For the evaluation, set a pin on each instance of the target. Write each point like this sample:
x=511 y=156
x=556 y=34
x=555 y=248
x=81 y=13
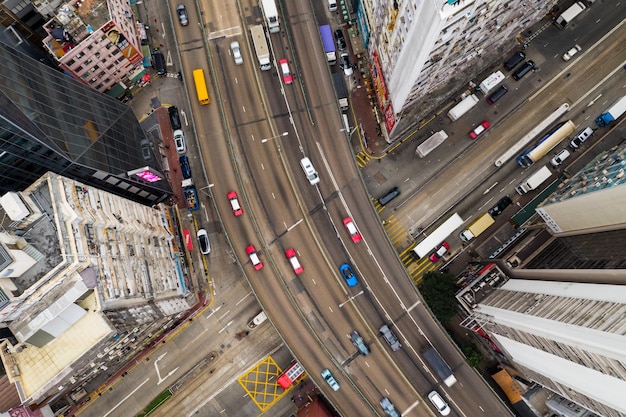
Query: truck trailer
x=341 y=90
x=463 y=107
x=438 y=365
x=326 y=34
x=534 y=181
x=612 y=113
x=476 y=227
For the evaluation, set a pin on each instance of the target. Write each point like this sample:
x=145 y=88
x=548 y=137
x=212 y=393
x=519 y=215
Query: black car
x=499 y=208
x=341 y=40
x=185 y=169
x=182 y=15
x=174 y=118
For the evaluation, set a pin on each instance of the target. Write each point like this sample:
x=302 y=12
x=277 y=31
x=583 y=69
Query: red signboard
x=390 y=117
x=188 y=240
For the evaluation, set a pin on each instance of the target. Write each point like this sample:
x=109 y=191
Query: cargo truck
x=463 y=107
x=341 y=90
x=257 y=320
x=440 y=367
x=260 y=47
x=569 y=14
x=326 y=34
x=534 y=181
x=612 y=113
x=476 y=227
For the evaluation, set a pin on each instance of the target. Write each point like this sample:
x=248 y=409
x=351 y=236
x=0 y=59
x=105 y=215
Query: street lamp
x=274 y=137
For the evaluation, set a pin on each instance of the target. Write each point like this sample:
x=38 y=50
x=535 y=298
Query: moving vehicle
x=497 y=95
x=341 y=91
x=234 y=47
x=569 y=14
x=355 y=235
x=519 y=145
x=257 y=320
x=182 y=15
x=388 y=196
x=534 y=181
x=463 y=107
x=390 y=337
x=254 y=257
x=580 y=138
x=523 y=70
x=233 y=199
x=284 y=69
x=438 y=365
x=332 y=5
x=438 y=235
x=480 y=129
x=491 y=82
x=326 y=34
x=292 y=257
x=179 y=141
x=341 y=40
x=358 y=341
x=442 y=250
x=201 y=90
x=612 y=113
x=172 y=111
x=345 y=64
x=500 y=206
x=260 y=47
x=431 y=143
x=309 y=171
x=185 y=169
x=290 y=375
x=476 y=227
x=203 y=240
x=348 y=275
x=330 y=379
x=439 y=403
x=270 y=12
x=569 y=54
x=559 y=158
x=544 y=145
x=389 y=408
x=514 y=60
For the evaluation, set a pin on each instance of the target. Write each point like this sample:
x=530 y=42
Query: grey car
x=390 y=337
x=358 y=341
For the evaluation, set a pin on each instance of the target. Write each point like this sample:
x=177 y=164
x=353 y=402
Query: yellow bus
x=203 y=93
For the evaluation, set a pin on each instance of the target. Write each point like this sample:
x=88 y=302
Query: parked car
x=514 y=60
x=330 y=379
x=185 y=169
x=500 y=206
x=254 y=257
x=344 y=63
x=358 y=341
x=523 y=70
x=183 y=18
x=234 y=47
x=233 y=199
x=497 y=95
x=581 y=137
x=559 y=158
x=341 y=40
x=348 y=275
x=569 y=54
x=203 y=240
x=442 y=250
x=389 y=408
x=174 y=118
x=390 y=337
x=478 y=130
x=284 y=67
x=355 y=235
x=179 y=141
x=439 y=403
x=293 y=260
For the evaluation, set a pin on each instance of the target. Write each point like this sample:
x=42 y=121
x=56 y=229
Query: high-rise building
x=49 y=122
x=87 y=278
x=422 y=50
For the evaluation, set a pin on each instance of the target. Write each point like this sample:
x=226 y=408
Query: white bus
x=271 y=15
x=438 y=235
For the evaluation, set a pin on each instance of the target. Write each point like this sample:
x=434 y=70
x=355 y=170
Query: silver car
x=234 y=47
x=179 y=141
x=390 y=338
x=330 y=379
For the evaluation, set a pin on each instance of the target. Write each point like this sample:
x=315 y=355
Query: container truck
x=476 y=227
x=341 y=90
x=326 y=34
x=612 y=113
x=260 y=47
x=463 y=107
x=438 y=236
x=431 y=143
x=271 y=15
x=440 y=367
x=569 y=14
x=534 y=181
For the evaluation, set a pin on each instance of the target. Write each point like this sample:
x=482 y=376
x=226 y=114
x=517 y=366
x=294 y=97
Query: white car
x=439 y=403
x=559 y=158
x=569 y=54
x=234 y=46
x=203 y=239
x=179 y=140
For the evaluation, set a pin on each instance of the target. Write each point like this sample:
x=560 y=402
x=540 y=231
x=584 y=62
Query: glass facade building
x=49 y=122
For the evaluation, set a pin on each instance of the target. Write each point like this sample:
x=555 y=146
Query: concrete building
x=422 y=51
x=49 y=122
x=87 y=278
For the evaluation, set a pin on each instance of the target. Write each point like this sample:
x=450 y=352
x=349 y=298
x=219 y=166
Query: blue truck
x=612 y=113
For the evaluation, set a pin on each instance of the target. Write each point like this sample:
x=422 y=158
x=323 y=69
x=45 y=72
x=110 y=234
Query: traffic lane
x=221 y=17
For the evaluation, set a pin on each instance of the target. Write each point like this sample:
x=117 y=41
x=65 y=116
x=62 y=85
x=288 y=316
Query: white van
x=332 y=5
x=309 y=171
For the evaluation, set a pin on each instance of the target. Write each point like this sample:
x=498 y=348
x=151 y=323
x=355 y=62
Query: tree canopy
x=438 y=291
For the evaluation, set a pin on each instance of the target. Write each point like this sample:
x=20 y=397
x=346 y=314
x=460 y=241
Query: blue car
x=184 y=167
x=348 y=275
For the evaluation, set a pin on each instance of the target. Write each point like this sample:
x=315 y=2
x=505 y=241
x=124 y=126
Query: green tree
x=473 y=355
x=438 y=291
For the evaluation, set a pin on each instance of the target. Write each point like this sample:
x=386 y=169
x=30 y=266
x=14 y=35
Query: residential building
x=87 y=278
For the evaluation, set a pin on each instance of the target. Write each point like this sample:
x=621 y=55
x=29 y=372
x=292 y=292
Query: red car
x=254 y=257
x=284 y=68
x=436 y=255
x=234 y=203
x=293 y=260
x=352 y=230
x=484 y=125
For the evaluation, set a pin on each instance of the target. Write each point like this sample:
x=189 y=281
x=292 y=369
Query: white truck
x=476 y=227
x=463 y=107
x=260 y=47
x=431 y=143
x=534 y=181
x=257 y=320
x=438 y=235
x=612 y=113
x=569 y=14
